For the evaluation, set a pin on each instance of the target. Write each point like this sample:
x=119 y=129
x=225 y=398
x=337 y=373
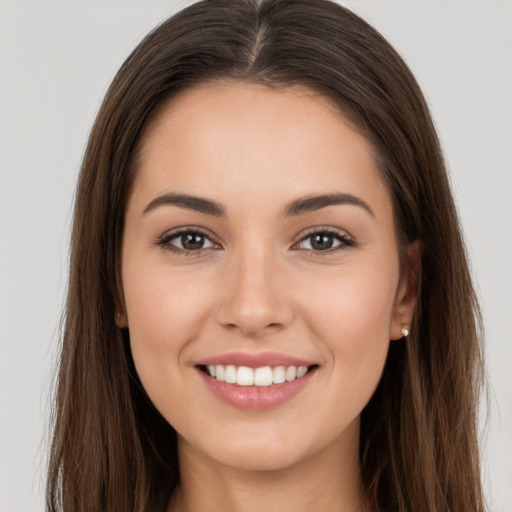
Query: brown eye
x=186 y=242
x=192 y=241
x=325 y=241
x=321 y=242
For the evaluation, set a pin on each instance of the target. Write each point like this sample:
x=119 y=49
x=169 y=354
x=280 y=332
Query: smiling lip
x=254 y=360
x=252 y=397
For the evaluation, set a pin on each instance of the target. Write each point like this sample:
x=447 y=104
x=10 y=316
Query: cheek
x=164 y=317
x=355 y=302
x=349 y=316
x=160 y=302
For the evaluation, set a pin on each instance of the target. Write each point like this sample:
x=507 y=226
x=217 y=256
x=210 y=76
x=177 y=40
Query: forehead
x=252 y=140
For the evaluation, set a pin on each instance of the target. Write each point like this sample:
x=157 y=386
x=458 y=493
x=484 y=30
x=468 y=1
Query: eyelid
x=343 y=236
x=346 y=240
x=164 y=240
x=325 y=229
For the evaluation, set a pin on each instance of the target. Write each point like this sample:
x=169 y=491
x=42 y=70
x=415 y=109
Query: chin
x=264 y=459
x=262 y=448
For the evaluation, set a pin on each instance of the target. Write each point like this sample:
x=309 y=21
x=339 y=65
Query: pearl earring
x=405 y=332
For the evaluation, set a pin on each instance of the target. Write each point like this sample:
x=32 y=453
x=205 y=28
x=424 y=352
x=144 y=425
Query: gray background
x=56 y=61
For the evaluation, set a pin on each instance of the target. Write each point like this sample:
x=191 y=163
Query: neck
x=328 y=481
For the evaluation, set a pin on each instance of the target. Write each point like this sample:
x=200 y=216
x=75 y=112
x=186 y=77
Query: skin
x=257 y=286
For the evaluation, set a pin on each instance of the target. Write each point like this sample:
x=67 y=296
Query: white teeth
x=291 y=373
x=219 y=372
x=301 y=371
x=245 y=376
x=263 y=376
x=278 y=375
x=259 y=377
x=230 y=375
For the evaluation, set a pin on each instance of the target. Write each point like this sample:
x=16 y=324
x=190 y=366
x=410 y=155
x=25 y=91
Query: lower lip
x=256 y=398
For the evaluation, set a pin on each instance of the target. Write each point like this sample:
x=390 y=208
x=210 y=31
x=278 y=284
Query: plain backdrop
x=56 y=61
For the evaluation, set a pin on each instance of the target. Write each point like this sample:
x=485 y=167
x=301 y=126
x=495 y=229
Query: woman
x=269 y=302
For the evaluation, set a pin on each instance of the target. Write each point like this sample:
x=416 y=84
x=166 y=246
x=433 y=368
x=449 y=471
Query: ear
x=407 y=293
x=121 y=318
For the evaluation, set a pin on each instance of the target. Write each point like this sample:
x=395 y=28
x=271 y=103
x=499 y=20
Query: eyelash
x=165 y=241
x=346 y=241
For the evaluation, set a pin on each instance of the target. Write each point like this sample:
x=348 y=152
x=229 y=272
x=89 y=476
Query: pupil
x=192 y=241
x=321 y=242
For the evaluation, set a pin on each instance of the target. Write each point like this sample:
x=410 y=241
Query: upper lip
x=254 y=360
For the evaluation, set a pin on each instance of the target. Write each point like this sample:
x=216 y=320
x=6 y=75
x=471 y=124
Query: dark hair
x=112 y=450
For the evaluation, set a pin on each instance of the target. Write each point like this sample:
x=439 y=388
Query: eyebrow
x=197 y=204
x=314 y=203
x=300 y=206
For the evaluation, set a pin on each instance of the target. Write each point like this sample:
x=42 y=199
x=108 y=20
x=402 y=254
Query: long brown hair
x=111 y=449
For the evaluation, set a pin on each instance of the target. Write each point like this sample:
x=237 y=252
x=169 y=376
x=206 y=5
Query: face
x=259 y=239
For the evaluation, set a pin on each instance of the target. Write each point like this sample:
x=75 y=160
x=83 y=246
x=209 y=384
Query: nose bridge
x=255 y=277
x=253 y=299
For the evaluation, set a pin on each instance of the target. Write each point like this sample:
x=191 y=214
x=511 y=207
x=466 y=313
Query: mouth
x=259 y=377
x=256 y=388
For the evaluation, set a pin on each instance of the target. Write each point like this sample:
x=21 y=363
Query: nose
x=254 y=298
